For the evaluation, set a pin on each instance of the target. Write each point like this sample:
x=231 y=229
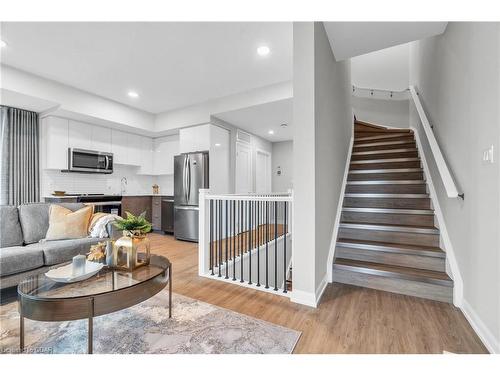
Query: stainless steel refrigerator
x=190 y=175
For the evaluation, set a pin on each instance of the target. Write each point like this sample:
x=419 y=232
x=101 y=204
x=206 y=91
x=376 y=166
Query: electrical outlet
x=488 y=155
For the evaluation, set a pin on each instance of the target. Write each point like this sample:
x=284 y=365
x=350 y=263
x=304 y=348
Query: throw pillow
x=95 y=218
x=65 y=224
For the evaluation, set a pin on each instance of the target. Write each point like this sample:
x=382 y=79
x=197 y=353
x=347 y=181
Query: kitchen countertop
x=117 y=195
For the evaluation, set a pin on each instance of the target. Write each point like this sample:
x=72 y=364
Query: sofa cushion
x=17 y=259
x=34 y=218
x=65 y=224
x=60 y=251
x=10 y=227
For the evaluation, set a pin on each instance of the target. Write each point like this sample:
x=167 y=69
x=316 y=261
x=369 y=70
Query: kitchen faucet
x=123 y=187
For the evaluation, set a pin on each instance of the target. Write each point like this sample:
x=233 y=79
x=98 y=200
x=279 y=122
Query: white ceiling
x=260 y=119
x=170 y=64
x=349 y=39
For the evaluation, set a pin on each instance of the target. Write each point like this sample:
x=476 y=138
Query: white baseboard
x=304 y=298
x=321 y=288
x=307 y=298
x=486 y=336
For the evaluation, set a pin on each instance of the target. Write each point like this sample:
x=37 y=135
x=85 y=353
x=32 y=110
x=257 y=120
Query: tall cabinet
x=215 y=140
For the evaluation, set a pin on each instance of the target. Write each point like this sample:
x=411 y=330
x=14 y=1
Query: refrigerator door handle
x=189 y=179
x=184 y=178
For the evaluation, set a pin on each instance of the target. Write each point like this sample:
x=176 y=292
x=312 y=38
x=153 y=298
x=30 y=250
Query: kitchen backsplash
x=102 y=183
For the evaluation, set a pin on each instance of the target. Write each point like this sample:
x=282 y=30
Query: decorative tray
x=65 y=274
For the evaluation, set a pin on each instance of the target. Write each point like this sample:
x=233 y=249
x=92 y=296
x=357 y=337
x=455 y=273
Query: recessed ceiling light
x=271 y=132
x=217 y=145
x=284 y=125
x=3 y=43
x=133 y=94
x=263 y=51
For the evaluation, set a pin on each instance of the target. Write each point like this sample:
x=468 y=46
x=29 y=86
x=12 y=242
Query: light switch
x=488 y=155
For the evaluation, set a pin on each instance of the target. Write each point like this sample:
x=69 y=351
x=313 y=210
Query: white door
x=243 y=183
x=263 y=172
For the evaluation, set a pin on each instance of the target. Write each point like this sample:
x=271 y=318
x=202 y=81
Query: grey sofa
x=23 y=250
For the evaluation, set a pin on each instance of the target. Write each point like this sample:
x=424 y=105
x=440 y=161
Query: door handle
x=189 y=180
x=185 y=178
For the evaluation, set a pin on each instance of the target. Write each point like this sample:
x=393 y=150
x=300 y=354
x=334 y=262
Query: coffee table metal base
x=70 y=309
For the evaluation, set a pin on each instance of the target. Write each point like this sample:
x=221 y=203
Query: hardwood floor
x=349 y=319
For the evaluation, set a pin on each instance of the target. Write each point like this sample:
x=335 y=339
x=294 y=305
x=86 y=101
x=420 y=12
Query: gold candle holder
x=131 y=251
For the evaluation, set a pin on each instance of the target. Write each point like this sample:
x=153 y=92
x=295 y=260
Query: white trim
x=449 y=184
x=321 y=288
x=310 y=299
x=261 y=198
x=336 y=224
x=269 y=176
x=447 y=245
x=486 y=336
x=304 y=298
x=253 y=286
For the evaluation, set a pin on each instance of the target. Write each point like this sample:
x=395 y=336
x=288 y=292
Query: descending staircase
x=387 y=239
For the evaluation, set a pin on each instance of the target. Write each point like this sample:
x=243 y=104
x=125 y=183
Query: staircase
x=387 y=239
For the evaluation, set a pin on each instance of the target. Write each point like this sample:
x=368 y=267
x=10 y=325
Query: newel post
x=204 y=235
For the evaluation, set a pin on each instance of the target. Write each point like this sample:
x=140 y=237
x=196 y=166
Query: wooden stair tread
x=366 y=126
x=396 y=211
x=387 y=182
x=385 y=195
x=425 y=250
x=387 y=237
x=391 y=227
x=390 y=270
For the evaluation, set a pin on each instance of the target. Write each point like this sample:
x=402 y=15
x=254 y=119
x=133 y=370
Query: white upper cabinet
x=119 y=146
x=80 y=135
x=55 y=142
x=196 y=138
x=100 y=139
x=165 y=149
x=134 y=146
x=146 y=152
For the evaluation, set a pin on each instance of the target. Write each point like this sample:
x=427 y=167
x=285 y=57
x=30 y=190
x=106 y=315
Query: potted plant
x=133 y=249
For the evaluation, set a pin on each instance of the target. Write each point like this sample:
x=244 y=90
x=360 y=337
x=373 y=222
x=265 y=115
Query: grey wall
x=256 y=143
x=323 y=117
x=283 y=158
x=458 y=77
x=333 y=125
x=304 y=241
x=393 y=113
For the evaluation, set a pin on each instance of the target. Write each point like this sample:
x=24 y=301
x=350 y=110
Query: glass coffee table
x=43 y=299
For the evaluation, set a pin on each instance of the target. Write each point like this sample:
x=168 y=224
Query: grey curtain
x=20 y=171
x=4 y=155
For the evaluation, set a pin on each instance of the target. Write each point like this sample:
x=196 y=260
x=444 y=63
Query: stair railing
x=373 y=93
x=246 y=239
x=444 y=171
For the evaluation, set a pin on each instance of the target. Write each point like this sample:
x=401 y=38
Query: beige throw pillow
x=65 y=224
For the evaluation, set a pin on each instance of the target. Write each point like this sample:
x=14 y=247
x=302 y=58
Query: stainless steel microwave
x=89 y=161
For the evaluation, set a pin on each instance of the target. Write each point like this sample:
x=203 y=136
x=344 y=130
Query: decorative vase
x=131 y=251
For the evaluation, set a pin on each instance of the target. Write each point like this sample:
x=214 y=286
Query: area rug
x=195 y=327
